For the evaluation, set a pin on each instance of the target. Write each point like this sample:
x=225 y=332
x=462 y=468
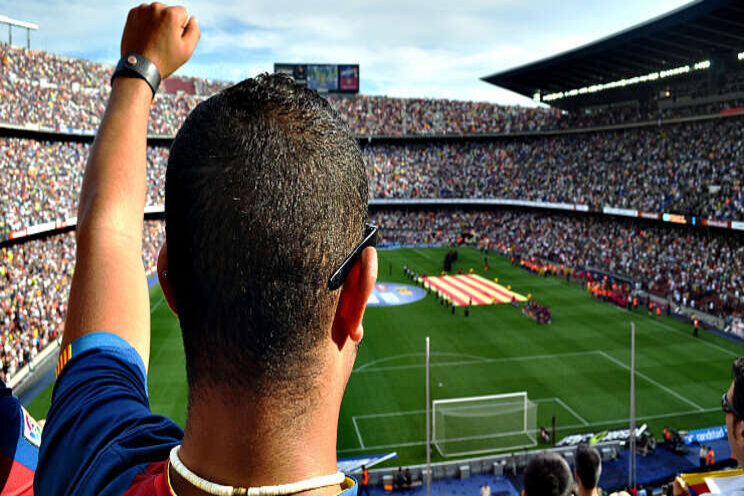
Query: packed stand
x=61 y=93
x=42 y=180
x=692 y=168
x=696 y=268
x=36 y=279
x=57 y=92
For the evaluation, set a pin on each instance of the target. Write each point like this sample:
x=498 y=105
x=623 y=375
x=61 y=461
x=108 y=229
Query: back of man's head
x=547 y=474
x=266 y=194
x=588 y=466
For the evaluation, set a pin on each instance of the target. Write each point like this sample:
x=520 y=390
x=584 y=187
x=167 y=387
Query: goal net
x=482 y=424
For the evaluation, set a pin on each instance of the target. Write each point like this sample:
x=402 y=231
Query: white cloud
x=432 y=48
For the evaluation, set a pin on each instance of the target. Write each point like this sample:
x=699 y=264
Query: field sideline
x=576 y=367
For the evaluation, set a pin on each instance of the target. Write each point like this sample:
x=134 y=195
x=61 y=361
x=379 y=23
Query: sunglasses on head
x=339 y=275
x=728 y=407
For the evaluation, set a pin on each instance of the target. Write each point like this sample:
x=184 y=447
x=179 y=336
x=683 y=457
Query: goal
x=482 y=424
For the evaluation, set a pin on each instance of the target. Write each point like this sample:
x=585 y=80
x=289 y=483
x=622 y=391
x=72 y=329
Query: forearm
x=114 y=187
x=109 y=290
x=109 y=233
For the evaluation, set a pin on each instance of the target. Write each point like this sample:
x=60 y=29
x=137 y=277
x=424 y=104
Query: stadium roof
x=686 y=36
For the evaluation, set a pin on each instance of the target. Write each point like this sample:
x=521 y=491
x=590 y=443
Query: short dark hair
x=737 y=395
x=265 y=195
x=547 y=474
x=588 y=465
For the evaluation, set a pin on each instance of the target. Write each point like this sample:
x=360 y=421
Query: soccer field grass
x=576 y=368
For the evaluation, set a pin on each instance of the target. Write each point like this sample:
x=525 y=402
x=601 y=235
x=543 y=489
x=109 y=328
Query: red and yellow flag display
x=466 y=289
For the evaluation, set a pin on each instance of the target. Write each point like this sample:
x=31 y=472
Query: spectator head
x=547 y=474
x=266 y=195
x=588 y=467
x=733 y=405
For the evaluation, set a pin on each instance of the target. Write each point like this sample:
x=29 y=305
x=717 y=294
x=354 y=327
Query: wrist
x=137 y=89
x=137 y=66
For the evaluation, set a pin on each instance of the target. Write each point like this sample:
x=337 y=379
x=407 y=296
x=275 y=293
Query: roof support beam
x=699 y=39
x=718 y=32
x=685 y=48
x=664 y=53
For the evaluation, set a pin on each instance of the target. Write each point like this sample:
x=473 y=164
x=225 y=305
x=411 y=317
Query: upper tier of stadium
x=43 y=90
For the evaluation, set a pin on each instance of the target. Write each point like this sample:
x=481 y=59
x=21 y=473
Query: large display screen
x=323 y=78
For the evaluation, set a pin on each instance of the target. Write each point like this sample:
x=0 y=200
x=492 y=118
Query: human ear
x=353 y=300
x=165 y=283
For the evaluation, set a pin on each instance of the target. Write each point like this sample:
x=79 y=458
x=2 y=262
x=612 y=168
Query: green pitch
x=575 y=368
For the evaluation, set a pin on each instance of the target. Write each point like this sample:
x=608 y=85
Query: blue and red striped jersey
x=20 y=436
x=100 y=436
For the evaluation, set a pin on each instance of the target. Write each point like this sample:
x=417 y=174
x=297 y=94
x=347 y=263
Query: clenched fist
x=165 y=35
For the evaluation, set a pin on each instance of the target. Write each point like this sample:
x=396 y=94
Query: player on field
x=268 y=264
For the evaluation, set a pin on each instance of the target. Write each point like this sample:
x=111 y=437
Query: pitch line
x=157 y=305
x=712 y=345
x=420 y=412
x=667 y=326
x=561 y=428
x=359 y=435
x=571 y=411
x=480 y=360
x=411 y=355
x=652 y=381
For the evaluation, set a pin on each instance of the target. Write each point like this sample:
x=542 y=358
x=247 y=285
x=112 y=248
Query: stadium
x=518 y=247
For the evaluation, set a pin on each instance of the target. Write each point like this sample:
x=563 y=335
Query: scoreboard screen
x=323 y=78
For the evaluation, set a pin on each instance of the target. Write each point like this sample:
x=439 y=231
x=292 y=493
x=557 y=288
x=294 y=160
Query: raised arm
x=109 y=288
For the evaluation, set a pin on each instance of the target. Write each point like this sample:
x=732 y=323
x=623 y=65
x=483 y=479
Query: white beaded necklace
x=278 y=490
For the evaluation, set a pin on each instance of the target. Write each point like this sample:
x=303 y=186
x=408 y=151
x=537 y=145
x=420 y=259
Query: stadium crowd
x=61 y=93
x=699 y=269
x=689 y=168
x=57 y=92
x=36 y=279
x=42 y=180
x=697 y=172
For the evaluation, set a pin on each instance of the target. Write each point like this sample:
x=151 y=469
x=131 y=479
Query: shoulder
x=100 y=432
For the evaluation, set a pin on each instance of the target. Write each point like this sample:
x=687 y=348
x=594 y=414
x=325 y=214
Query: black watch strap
x=138 y=66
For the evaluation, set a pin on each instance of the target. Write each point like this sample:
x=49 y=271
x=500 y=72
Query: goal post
x=483 y=424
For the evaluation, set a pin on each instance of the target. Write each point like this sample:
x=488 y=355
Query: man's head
x=733 y=405
x=587 y=466
x=266 y=194
x=547 y=474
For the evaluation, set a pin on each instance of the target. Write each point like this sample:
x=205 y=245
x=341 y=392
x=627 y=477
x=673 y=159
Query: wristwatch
x=134 y=65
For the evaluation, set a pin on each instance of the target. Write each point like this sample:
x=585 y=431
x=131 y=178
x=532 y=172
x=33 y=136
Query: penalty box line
x=474 y=360
x=583 y=421
x=354 y=418
x=561 y=428
x=484 y=360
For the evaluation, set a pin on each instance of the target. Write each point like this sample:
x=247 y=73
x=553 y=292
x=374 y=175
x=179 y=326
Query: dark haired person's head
x=733 y=405
x=587 y=466
x=547 y=474
x=266 y=194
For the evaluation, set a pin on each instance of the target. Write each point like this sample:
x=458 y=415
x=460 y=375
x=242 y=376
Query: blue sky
x=429 y=48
